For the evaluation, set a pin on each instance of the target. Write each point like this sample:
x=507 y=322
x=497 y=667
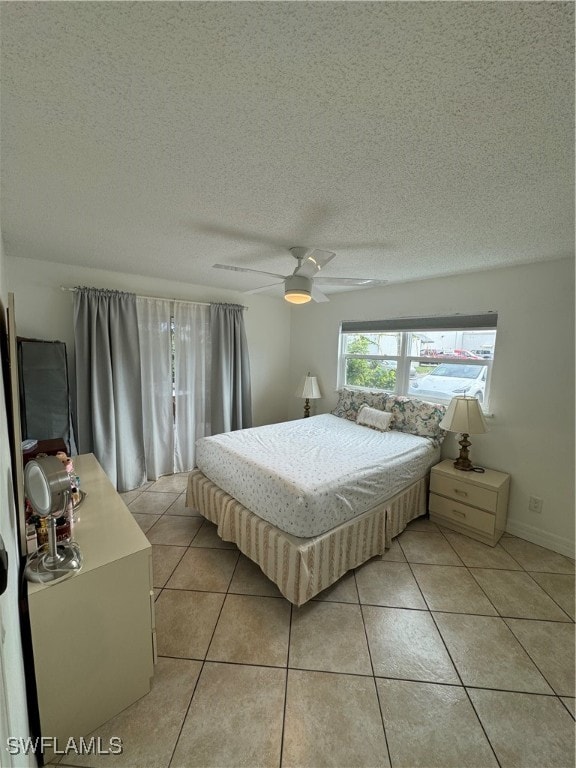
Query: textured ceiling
x=414 y=139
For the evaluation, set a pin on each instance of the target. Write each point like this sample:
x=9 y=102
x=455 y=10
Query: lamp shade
x=309 y=388
x=464 y=415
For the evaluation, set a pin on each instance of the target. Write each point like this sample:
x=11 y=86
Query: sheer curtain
x=231 y=401
x=108 y=384
x=154 y=324
x=154 y=375
x=191 y=379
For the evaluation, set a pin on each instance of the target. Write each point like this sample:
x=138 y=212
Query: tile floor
x=444 y=652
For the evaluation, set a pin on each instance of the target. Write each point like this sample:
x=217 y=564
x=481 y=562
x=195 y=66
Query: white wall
x=532 y=390
x=44 y=311
x=3 y=282
x=13 y=709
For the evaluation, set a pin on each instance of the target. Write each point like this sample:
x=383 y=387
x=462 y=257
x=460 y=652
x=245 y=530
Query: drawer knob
x=459 y=492
x=459 y=513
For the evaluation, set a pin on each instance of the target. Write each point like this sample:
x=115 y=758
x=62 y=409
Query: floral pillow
x=350 y=400
x=417 y=417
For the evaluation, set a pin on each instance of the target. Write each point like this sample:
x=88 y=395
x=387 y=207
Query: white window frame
x=404 y=361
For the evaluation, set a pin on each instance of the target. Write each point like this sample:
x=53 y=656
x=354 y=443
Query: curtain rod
x=160 y=298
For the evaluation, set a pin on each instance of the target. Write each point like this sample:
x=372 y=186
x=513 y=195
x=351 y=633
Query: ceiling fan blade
x=263 y=288
x=321 y=257
x=246 y=269
x=314 y=261
x=318 y=295
x=366 y=282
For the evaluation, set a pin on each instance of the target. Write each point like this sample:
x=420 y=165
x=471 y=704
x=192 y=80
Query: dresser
x=472 y=503
x=93 y=634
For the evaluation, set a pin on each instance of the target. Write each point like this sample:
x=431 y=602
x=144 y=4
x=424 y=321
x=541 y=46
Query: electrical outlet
x=535 y=504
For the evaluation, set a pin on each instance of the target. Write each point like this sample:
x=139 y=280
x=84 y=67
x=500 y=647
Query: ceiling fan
x=301 y=286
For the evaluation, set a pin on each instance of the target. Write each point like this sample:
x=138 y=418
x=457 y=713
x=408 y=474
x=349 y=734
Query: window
x=432 y=358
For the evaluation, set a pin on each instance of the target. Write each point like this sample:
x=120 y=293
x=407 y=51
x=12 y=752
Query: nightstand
x=473 y=503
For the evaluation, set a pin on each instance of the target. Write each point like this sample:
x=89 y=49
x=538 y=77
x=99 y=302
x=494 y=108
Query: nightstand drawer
x=464 y=492
x=460 y=513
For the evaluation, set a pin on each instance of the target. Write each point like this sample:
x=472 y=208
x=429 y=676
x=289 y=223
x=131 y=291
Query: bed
x=308 y=500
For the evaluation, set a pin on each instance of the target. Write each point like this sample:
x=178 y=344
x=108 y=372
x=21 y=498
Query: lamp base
x=463 y=461
x=307 y=408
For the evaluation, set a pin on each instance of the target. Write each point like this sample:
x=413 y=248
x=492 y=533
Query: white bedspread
x=308 y=476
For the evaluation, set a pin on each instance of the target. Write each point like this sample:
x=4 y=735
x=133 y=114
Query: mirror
x=47 y=487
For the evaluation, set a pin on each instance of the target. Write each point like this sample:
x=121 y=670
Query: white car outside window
x=446 y=381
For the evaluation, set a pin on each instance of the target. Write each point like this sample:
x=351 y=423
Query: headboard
x=417 y=417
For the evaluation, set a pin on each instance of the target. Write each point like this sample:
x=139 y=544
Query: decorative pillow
x=374 y=418
x=350 y=400
x=417 y=417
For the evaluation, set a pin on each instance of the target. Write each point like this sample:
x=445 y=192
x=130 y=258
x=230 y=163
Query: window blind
x=486 y=320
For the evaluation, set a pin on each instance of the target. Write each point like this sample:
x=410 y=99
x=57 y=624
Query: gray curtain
x=108 y=384
x=231 y=397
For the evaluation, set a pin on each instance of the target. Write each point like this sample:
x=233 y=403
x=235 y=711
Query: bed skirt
x=301 y=568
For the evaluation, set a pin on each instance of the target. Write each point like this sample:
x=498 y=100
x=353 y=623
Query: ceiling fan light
x=298 y=289
x=297 y=297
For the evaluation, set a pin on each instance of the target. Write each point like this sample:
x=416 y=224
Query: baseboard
x=542 y=538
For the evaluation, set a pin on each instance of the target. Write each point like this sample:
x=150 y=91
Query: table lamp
x=464 y=415
x=308 y=390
